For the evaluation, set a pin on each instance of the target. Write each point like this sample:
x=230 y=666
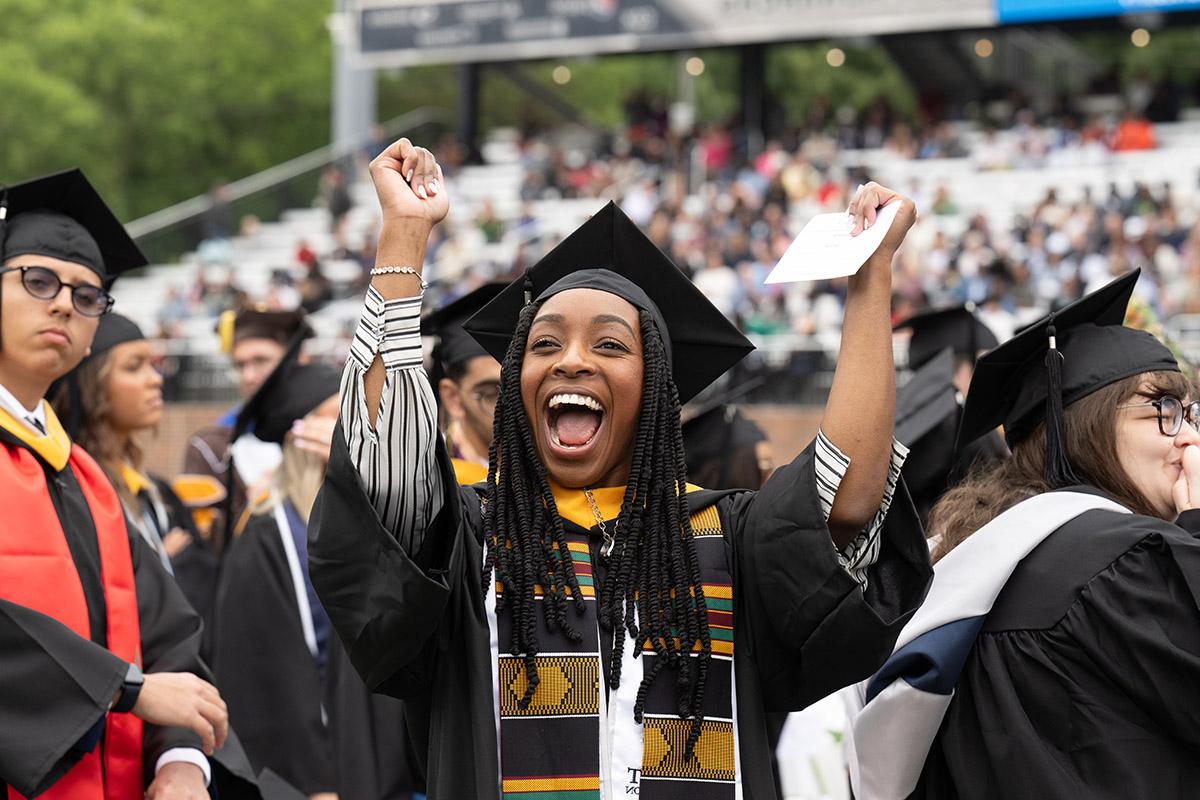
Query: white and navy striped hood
x=896 y=714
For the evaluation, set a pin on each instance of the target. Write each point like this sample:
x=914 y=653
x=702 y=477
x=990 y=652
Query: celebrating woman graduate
x=102 y=694
x=586 y=623
x=1058 y=653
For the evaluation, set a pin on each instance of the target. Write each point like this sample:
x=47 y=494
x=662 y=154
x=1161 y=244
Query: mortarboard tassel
x=528 y=285
x=1058 y=471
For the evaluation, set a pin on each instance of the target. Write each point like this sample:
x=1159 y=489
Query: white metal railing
x=278 y=174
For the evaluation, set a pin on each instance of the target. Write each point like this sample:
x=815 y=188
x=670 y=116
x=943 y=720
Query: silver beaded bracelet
x=400 y=271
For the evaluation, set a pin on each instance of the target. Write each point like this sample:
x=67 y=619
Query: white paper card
x=825 y=249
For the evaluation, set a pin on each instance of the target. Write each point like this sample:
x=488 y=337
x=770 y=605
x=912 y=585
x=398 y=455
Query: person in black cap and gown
x=501 y=613
x=104 y=694
x=724 y=448
x=942 y=352
x=114 y=395
x=255 y=340
x=271 y=634
x=467 y=380
x=1058 y=652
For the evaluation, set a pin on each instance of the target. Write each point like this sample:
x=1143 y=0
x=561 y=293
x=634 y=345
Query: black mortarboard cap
x=927 y=413
x=927 y=400
x=609 y=252
x=113 y=330
x=1058 y=360
x=718 y=431
x=712 y=422
x=289 y=393
x=957 y=328
x=62 y=216
x=456 y=346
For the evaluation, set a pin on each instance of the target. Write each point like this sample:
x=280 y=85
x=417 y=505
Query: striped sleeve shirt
x=396 y=458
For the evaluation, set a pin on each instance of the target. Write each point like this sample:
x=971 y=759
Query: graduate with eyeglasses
x=467 y=381
x=102 y=690
x=1058 y=652
x=585 y=623
x=218 y=469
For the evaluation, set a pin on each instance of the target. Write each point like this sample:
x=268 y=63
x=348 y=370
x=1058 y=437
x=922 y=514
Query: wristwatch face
x=134 y=675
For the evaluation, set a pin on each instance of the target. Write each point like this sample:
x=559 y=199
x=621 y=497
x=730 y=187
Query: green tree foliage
x=156 y=98
x=1173 y=52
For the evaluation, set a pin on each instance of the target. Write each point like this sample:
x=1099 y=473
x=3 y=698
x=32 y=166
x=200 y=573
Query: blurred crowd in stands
x=725 y=210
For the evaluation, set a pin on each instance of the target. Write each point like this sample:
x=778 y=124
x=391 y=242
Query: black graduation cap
x=957 y=328
x=456 y=346
x=927 y=414
x=289 y=393
x=714 y=424
x=1058 y=360
x=927 y=400
x=62 y=216
x=610 y=253
x=114 y=329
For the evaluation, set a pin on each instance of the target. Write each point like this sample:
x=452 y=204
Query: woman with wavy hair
x=109 y=403
x=1058 y=652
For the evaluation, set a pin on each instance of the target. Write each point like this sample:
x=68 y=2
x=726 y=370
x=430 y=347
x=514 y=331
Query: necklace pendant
x=607 y=548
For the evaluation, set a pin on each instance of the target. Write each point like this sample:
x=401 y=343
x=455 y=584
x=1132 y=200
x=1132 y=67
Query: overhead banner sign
x=407 y=32
x=1016 y=11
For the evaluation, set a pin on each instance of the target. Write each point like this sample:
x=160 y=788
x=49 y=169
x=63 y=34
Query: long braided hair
x=653 y=588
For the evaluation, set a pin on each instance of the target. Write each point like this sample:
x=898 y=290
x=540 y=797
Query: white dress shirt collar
x=12 y=405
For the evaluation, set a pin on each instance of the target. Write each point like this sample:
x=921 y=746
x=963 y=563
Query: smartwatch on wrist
x=131 y=687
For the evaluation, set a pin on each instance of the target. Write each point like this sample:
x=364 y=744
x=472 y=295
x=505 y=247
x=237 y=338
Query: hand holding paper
x=837 y=245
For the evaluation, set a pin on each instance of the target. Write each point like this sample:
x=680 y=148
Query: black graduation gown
x=265 y=670
x=196 y=566
x=1085 y=680
x=372 y=749
x=415 y=625
x=56 y=685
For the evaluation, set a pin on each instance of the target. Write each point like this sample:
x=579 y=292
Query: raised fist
x=409 y=183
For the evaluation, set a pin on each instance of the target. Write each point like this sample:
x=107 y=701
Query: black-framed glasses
x=486 y=394
x=1172 y=413
x=44 y=284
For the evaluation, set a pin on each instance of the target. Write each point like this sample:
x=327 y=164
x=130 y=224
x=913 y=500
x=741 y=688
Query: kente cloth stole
x=553 y=749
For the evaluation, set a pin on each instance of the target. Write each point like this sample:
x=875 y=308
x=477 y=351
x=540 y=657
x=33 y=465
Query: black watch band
x=130 y=689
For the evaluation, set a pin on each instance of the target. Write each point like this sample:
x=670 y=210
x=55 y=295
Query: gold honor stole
x=551 y=749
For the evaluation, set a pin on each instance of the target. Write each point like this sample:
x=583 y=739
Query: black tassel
x=1058 y=466
x=528 y=288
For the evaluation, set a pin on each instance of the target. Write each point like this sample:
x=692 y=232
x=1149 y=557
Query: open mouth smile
x=573 y=421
